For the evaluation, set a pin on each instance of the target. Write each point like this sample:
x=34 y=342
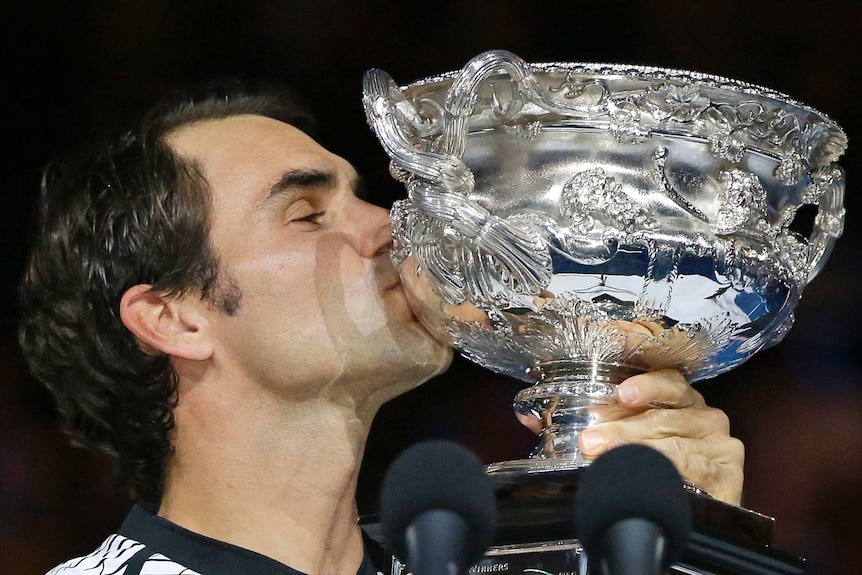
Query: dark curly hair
x=114 y=215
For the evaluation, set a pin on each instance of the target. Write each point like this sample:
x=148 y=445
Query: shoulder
x=119 y=554
x=113 y=553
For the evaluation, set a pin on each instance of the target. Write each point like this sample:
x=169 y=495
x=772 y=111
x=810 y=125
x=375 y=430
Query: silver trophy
x=574 y=224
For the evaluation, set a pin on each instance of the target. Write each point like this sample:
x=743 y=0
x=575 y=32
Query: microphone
x=437 y=508
x=632 y=514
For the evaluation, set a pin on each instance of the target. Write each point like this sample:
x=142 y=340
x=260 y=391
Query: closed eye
x=304 y=214
x=313 y=218
x=309 y=222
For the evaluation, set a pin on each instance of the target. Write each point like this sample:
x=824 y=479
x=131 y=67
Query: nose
x=373 y=232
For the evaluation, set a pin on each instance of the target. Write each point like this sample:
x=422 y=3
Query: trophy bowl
x=574 y=224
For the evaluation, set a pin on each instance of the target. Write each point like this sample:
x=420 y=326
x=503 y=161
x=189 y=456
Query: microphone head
x=438 y=475
x=632 y=481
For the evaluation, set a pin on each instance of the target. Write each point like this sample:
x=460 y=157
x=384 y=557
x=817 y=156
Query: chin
x=427 y=352
x=438 y=358
x=425 y=361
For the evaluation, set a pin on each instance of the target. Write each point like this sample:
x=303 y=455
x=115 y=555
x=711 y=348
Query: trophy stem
x=563 y=399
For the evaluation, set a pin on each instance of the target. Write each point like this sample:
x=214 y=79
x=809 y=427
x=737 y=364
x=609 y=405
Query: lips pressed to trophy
x=574 y=224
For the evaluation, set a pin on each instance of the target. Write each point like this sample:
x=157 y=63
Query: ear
x=174 y=326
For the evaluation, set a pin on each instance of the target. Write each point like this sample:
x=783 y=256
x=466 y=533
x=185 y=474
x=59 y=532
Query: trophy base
x=511 y=470
x=503 y=472
x=535 y=533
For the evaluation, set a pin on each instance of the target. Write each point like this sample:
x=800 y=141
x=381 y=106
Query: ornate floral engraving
x=587 y=92
x=677 y=103
x=570 y=328
x=741 y=201
x=685 y=346
x=592 y=197
x=730 y=121
x=794 y=251
x=625 y=123
x=724 y=145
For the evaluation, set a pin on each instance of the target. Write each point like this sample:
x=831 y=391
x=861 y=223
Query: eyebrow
x=293 y=181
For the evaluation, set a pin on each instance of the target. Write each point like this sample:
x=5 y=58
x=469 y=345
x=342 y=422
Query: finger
x=694 y=458
x=714 y=464
x=667 y=387
x=690 y=455
x=655 y=424
x=530 y=421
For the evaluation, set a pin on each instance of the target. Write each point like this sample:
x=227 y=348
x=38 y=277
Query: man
x=212 y=304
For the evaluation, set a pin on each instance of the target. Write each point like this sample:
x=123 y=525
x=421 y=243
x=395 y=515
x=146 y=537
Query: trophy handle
x=500 y=260
x=390 y=114
x=829 y=222
x=392 y=117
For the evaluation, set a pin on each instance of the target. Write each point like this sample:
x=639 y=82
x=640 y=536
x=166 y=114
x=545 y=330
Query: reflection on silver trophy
x=574 y=224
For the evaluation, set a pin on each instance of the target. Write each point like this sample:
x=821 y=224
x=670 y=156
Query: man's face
x=321 y=307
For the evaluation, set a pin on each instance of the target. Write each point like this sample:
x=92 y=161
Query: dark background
x=80 y=68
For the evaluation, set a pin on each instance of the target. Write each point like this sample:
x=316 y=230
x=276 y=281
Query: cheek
x=281 y=331
x=280 y=295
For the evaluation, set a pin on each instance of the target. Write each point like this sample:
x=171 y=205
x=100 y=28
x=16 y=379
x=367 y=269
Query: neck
x=273 y=476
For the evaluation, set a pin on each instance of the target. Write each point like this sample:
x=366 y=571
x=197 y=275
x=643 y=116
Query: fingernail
x=628 y=394
x=592 y=439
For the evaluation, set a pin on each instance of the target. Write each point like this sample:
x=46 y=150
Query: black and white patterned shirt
x=147 y=544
